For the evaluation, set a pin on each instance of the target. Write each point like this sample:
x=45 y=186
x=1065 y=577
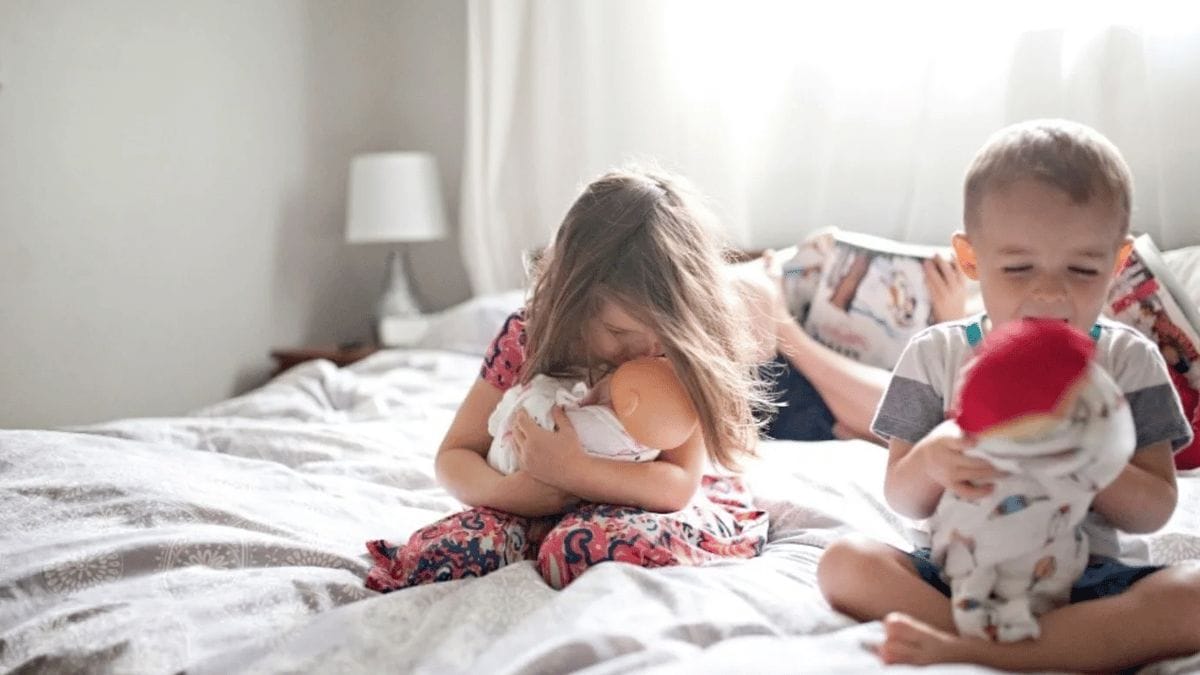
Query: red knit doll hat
x=1022 y=368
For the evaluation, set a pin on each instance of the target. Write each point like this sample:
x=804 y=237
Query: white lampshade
x=394 y=196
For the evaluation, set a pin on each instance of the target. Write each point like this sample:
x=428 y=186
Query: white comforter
x=233 y=540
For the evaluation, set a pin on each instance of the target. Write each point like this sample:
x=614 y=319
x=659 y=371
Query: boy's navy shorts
x=1102 y=577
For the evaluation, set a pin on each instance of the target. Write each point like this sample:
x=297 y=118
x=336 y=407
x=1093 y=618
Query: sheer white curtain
x=793 y=117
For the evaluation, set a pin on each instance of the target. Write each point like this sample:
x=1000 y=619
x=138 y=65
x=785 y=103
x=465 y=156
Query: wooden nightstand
x=342 y=355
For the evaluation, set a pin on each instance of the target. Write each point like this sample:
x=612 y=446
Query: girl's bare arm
x=462 y=467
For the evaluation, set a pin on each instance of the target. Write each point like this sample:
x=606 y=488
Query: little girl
x=633 y=271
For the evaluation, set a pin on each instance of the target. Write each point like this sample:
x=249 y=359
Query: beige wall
x=172 y=187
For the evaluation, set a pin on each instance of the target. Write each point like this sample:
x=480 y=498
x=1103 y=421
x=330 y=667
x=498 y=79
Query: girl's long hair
x=641 y=239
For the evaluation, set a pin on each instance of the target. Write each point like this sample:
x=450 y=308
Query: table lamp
x=395 y=197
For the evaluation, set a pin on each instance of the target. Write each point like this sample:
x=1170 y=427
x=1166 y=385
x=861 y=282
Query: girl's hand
x=947 y=288
x=941 y=455
x=551 y=456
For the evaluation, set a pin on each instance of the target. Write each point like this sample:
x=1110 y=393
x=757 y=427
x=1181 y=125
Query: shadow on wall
x=323 y=289
x=250 y=378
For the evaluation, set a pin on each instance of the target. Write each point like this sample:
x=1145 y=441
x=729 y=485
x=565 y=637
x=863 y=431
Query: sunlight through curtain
x=793 y=117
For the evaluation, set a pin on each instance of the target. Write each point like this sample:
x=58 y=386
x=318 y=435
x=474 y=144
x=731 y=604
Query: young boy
x=1046 y=221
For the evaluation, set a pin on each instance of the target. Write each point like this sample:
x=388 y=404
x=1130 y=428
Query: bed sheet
x=232 y=540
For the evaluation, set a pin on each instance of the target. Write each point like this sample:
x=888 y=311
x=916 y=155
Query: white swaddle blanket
x=1014 y=554
x=599 y=430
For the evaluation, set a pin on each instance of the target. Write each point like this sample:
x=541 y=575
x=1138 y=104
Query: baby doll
x=639 y=411
x=1037 y=407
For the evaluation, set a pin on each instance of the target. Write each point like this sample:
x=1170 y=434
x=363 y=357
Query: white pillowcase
x=1184 y=264
x=470 y=326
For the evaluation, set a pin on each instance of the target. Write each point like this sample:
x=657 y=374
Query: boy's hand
x=941 y=455
x=549 y=455
x=947 y=288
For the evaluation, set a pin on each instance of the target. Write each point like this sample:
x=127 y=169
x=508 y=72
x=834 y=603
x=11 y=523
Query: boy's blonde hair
x=640 y=238
x=1070 y=156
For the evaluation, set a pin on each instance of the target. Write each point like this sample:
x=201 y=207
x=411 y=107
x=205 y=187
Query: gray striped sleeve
x=1158 y=416
x=908 y=411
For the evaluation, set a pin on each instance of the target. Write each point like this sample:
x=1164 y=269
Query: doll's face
x=1026 y=428
x=1035 y=426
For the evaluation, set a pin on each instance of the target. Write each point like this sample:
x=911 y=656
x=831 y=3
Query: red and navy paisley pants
x=720 y=523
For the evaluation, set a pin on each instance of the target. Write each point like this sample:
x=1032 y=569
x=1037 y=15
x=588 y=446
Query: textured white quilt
x=232 y=539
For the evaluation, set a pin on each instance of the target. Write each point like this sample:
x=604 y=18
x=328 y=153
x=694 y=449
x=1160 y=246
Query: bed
x=232 y=540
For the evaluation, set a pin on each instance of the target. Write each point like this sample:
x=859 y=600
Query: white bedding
x=232 y=539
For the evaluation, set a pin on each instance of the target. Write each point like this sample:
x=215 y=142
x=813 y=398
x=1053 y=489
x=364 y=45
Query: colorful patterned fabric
x=503 y=360
x=720 y=522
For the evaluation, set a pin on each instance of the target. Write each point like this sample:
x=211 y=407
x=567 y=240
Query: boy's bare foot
x=908 y=640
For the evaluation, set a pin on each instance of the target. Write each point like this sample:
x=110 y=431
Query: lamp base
x=398 y=318
x=400 y=331
x=397 y=299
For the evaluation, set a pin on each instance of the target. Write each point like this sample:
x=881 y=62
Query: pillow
x=1156 y=292
x=470 y=326
x=1150 y=295
x=860 y=295
x=1184 y=264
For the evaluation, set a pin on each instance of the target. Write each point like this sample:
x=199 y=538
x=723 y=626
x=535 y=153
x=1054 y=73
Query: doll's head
x=1024 y=378
x=652 y=404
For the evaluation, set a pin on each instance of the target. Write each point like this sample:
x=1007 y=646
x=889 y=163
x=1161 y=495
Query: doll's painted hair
x=641 y=239
x=1070 y=156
